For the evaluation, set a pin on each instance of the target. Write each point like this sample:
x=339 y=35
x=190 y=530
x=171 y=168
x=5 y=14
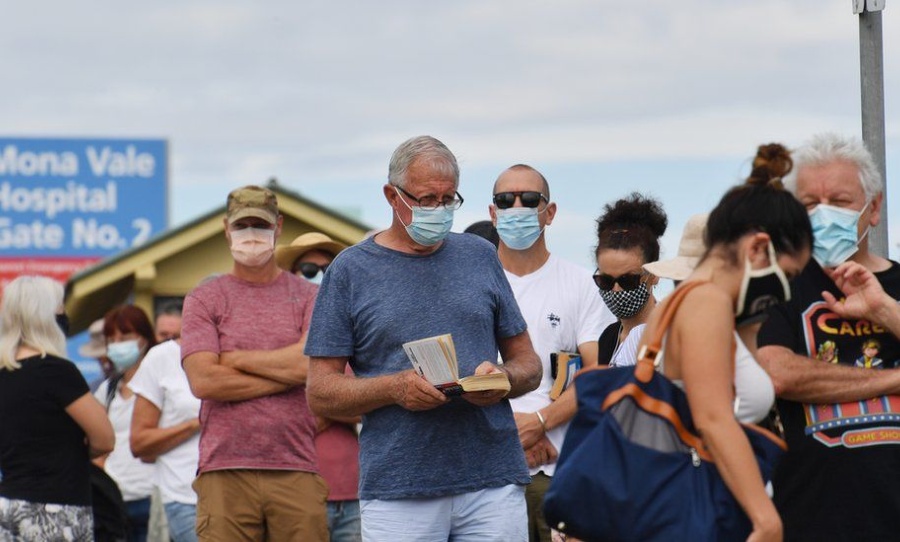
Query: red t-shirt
x=226 y=314
x=338 y=450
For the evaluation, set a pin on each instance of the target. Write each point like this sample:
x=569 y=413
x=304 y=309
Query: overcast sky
x=605 y=97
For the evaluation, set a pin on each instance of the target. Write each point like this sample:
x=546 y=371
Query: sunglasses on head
x=309 y=269
x=628 y=281
x=505 y=200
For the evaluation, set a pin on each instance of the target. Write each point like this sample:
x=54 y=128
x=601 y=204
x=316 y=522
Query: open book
x=435 y=359
x=563 y=366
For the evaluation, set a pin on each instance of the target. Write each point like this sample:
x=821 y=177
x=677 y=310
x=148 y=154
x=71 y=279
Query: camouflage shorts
x=39 y=522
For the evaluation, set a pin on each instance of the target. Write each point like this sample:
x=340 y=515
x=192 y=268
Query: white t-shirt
x=626 y=353
x=161 y=380
x=563 y=309
x=134 y=477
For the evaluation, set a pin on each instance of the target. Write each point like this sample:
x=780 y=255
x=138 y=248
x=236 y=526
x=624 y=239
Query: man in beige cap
x=242 y=337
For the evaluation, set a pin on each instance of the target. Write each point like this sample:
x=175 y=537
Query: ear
x=758 y=250
x=550 y=213
x=389 y=193
x=653 y=280
x=278 y=225
x=492 y=210
x=875 y=209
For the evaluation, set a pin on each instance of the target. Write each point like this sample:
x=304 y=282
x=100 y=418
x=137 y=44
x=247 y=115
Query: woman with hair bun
x=628 y=235
x=49 y=424
x=758 y=237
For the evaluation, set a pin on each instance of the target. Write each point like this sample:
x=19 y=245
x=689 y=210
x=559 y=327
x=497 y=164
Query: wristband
x=541 y=419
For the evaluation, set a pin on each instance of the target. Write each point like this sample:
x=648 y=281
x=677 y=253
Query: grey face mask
x=625 y=304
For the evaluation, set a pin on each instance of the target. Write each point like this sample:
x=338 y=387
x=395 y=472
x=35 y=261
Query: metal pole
x=871 y=67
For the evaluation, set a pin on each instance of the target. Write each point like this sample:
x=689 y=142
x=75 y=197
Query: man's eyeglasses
x=505 y=200
x=432 y=202
x=628 y=281
x=309 y=269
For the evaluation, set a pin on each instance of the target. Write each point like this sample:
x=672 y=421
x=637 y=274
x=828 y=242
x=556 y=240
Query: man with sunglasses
x=337 y=446
x=432 y=467
x=564 y=314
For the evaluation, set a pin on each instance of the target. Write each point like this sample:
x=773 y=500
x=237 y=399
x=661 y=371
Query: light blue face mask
x=518 y=227
x=123 y=354
x=835 y=236
x=428 y=226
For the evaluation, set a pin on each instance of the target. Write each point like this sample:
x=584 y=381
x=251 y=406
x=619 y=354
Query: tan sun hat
x=96 y=346
x=690 y=250
x=286 y=255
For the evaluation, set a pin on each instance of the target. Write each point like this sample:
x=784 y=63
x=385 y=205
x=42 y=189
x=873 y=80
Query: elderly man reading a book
x=433 y=465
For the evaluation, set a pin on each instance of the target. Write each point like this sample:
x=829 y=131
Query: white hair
x=28 y=318
x=427 y=148
x=825 y=148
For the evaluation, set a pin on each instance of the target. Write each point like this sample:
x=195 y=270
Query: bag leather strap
x=648 y=354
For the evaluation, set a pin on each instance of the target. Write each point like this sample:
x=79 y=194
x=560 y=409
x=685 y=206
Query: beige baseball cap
x=253 y=201
x=690 y=250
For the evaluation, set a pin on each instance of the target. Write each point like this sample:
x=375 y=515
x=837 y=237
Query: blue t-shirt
x=374 y=299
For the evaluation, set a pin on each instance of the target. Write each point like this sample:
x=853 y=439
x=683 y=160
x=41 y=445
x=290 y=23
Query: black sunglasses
x=505 y=200
x=309 y=269
x=628 y=281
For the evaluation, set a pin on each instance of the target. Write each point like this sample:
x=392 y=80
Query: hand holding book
x=435 y=359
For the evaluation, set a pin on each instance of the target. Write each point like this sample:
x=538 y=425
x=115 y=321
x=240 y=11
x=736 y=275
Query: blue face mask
x=123 y=354
x=429 y=226
x=835 y=236
x=518 y=227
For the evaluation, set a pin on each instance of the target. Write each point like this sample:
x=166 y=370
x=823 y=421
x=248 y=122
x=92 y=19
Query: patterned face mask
x=625 y=304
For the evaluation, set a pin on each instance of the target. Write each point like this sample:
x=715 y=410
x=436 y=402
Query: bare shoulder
x=706 y=305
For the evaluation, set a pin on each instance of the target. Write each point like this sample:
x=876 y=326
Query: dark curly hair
x=633 y=222
x=762 y=204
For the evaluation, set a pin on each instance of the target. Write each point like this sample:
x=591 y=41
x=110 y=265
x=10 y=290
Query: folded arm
x=90 y=415
x=148 y=440
x=211 y=380
x=287 y=365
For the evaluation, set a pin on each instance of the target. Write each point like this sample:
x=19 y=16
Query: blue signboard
x=67 y=203
x=65 y=198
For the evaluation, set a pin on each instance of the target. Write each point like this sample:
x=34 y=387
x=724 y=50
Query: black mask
x=760 y=289
x=62 y=320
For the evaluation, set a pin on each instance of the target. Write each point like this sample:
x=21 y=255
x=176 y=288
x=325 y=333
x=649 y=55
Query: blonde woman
x=50 y=425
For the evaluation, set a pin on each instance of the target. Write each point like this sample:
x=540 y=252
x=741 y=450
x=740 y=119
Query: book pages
x=434 y=358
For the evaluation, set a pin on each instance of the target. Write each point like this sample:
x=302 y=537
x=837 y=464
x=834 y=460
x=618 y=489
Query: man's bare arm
x=799 y=378
x=211 y=380
x=331 y=393
x=287 y=365
x=521 y=363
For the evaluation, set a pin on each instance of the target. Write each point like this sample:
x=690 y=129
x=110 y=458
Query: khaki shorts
x=261 y=505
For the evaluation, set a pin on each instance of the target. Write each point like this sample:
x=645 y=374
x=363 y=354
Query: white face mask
x=252 y=247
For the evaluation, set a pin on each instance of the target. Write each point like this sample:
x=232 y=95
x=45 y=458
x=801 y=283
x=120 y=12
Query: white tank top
x=754 y=391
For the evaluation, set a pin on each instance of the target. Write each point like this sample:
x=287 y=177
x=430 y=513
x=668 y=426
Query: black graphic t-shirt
x=840 y=479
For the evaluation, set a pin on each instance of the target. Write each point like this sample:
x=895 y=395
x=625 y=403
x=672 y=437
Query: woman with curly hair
x=628 y=235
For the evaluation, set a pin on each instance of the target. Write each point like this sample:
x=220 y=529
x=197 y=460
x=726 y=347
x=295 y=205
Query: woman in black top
x=50 y=425
x=628 y=235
